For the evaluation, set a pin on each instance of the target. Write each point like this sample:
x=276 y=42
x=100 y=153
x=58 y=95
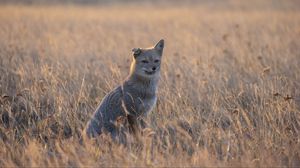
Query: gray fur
x=133 y=99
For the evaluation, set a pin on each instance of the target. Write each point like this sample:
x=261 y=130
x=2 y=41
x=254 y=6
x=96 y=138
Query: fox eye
x=156 y=61
x=145 y=61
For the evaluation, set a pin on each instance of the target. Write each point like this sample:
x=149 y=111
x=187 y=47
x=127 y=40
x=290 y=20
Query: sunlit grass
x=229 y=93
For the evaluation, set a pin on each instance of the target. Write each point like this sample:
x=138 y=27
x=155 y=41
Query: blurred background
x=214 y=4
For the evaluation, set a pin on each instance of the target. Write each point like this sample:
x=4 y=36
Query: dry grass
x=229 y=93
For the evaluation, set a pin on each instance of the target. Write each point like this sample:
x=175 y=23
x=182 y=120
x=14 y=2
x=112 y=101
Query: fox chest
x=140 y=106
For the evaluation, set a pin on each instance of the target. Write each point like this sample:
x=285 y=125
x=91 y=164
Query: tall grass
x=228 y=96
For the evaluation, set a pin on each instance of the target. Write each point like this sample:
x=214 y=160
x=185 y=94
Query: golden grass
x=229 y=93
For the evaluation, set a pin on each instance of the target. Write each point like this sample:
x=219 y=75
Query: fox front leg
x=143 y=124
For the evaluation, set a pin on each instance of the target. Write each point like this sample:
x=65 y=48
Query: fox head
x=146 y=62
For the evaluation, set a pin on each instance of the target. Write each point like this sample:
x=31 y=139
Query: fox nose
x=153 y=68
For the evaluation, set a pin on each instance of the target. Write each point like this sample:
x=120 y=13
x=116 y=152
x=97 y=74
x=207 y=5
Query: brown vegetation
x=229 y=93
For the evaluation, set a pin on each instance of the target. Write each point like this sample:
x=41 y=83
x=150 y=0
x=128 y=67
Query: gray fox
x=127 y=105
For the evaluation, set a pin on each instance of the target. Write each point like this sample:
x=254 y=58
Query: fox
x=127 y=105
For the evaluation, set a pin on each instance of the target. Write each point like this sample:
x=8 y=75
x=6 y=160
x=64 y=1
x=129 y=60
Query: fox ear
x=136 y=52
x=160 y=46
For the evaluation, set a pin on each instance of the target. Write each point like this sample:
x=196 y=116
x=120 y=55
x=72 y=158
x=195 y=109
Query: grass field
x=228 y=96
